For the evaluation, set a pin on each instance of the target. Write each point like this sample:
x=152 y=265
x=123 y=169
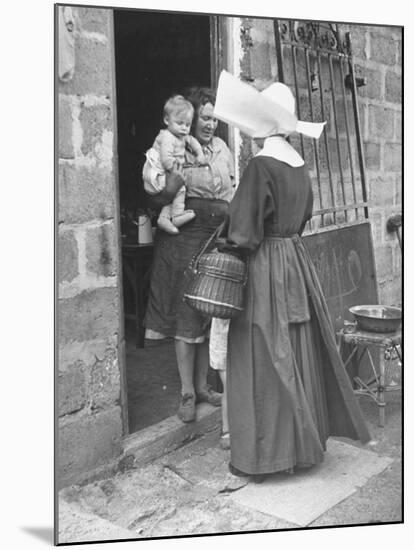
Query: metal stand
x=383 y=376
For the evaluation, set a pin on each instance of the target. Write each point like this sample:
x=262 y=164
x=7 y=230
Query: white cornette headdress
x=260 y=114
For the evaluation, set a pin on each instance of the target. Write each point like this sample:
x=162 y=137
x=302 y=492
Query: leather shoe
x=186 y=411
x=209 y=396
x=236 y=472
x=256 y=478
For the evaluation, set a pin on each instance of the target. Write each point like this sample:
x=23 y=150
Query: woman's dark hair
x=199 y=96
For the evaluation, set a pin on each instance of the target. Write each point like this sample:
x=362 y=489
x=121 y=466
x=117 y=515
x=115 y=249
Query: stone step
x=147 y=445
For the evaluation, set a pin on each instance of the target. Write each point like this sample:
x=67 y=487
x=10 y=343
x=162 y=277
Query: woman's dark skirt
x=167 y=313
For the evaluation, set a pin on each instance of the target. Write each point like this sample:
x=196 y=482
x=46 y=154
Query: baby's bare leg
x=164 y=220
x=179 y=215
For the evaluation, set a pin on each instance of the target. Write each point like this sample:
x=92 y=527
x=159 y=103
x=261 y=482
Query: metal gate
x=315 y=59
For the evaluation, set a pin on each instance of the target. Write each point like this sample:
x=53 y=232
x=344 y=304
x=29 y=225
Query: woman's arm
x=173 y=182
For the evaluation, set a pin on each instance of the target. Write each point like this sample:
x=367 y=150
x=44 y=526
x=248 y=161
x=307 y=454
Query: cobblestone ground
x=187 y=492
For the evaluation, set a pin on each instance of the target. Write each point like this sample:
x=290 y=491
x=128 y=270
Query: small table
x=382 y=379
x=137 y=261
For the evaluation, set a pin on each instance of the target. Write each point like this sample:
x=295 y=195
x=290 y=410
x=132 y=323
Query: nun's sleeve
x=251 y=205
x=309 y=208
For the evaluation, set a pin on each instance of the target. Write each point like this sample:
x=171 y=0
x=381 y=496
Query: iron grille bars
x=312 y=57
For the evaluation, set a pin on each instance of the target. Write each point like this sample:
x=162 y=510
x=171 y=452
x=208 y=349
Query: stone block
x=65 y=128
x=67 y=256
x=372 y=155
x=104 y=385
x=85 y=352
x=85 y=193
x=358 y=41
x=399 y=53
x=363 y=120
x=378 y=227
x=398 y=127
x=92 y=68
x=397 y=258
x=383 y=48
x=88 y=441
x=262 y=30
x=384 y=261
x=390 y=291
x=169 y=434
x=88 y=373
x=381 y=122
x=94 y=20
x=381 y=191
x=260 y=56
x=373 y=89
x=78 y=527
x=393 y=157
x=94 y=120
x=398 y=192
x=246 y=31
x=393 y=87
x=245 y=68
x=101 y=250
x=72 y=392
x=90 y=315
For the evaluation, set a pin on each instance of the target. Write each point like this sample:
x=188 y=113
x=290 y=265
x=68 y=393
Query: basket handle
x=213 y=236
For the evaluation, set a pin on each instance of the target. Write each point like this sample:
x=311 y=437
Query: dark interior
x=156 y=55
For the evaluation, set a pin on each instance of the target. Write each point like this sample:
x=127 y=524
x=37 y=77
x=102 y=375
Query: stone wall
x=377 y=58
x=88 y=307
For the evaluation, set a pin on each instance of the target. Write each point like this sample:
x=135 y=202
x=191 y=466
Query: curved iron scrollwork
x=314 y=35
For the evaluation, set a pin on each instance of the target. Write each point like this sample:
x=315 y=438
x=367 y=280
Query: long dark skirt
x=167 y=313
x=287 y=387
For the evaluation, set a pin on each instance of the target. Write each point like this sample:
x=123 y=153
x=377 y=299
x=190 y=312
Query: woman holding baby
x=208 y=177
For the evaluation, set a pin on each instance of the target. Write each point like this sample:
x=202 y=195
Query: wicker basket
x=217 y=283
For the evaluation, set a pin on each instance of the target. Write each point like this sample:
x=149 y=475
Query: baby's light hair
x=177 y=104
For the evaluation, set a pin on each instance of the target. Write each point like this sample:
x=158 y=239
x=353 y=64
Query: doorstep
x=145 y=446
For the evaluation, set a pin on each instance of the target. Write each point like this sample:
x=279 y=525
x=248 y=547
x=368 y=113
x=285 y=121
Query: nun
x=288 y=390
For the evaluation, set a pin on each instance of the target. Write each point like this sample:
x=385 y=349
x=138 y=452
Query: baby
x=167 y=154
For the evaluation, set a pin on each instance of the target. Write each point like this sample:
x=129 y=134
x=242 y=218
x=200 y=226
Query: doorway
x=156 y=55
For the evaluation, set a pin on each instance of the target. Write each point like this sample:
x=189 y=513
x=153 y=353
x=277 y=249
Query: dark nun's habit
x=287 y=386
